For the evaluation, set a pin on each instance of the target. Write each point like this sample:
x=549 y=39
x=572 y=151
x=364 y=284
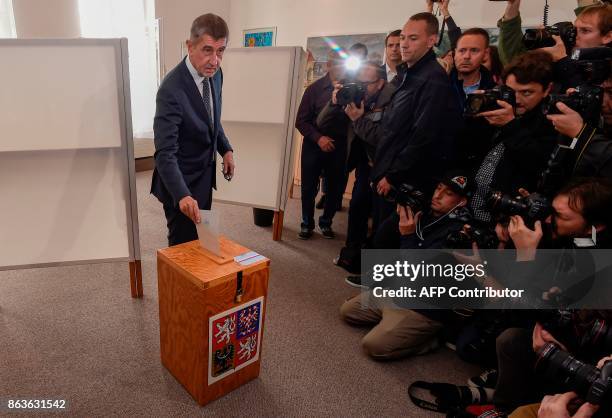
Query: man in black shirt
x=321 y=151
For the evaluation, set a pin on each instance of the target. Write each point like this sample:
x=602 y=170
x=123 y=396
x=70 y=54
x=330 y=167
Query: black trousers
x=360 y=207
x=180 y=228
x=332 y=164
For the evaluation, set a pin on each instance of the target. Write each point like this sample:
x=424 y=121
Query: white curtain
x=7 y=19
x=134 y=20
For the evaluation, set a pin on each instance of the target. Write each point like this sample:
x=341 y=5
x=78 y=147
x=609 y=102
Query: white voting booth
x=261 y=92
x=67 y=182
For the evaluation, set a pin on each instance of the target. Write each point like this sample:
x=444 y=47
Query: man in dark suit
x=393 y=55
x=188 y=131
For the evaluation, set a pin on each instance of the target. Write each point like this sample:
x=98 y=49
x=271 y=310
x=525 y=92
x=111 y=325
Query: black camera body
x=483 y=102
x=532 y=208
x=590 y=383
x=587 y=100
x=353 y=92
x=408 y=195
x=542 y=38
x=462 y=240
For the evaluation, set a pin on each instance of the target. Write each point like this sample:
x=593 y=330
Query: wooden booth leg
x=136 y=279
x=277 y=229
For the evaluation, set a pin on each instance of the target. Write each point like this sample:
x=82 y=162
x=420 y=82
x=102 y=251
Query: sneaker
x=327 y=232
x=321 y=203
x=355 y=281
x=488 y=379
x=305 y=233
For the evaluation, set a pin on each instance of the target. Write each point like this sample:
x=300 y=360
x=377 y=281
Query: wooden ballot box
x=211 y=312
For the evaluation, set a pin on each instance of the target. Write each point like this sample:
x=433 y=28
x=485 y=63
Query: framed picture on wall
x=319 y=46
x=259 y=37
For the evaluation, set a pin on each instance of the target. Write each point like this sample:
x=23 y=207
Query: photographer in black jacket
x=591 y=155
x=523 y=138
x=362 y=121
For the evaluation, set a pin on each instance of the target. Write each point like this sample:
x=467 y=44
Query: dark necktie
x=206 y=97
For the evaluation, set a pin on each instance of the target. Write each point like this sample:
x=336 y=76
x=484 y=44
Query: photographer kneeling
x=401 y=332
x=580 y=219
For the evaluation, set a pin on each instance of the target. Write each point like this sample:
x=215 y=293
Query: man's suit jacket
x=185 y=141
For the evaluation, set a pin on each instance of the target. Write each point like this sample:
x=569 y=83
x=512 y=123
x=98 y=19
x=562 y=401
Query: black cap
x=457 y=181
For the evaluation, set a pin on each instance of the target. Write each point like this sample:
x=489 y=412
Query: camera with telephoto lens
x=483 y=102
x=407 y=195
x=532 y=208
x=587 y=100
x=462 y=240
x=592 y=337
x=590 y=383
x=542 y=38
x=351 y=93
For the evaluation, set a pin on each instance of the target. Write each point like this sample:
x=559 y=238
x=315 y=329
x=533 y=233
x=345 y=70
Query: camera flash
x=352 y=63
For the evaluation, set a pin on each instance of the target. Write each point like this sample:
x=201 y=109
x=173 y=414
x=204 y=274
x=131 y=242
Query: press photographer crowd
x=477 y=147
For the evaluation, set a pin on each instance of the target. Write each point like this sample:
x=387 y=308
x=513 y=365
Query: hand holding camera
x=557 y=51
x=499 y=117
x=558 y=405
x=353 y=111
x=337 y=88
x=408 y=220
x=568 y=123
x=525 y=240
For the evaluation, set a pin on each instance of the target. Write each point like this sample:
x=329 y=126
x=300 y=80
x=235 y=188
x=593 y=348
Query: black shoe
x=327 y=232
x=305 y=233
x=355 y=281
x=321 y=203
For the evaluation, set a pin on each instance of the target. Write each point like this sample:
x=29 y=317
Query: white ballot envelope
x=208 y=231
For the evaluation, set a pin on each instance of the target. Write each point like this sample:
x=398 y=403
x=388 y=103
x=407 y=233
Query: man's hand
x=354 y=112
x=557 y=51
x=326 y=144
x=337 y=88
x=569 y=123
x=189 y=206
x=556 y=407
x=429 y=6
x=512 y=9
x=499 y=117
x=383 y=187
x=228 y=165
x=603 y=361
x=541 y=337
x=444 y=8
x=408 y=220
x=502 y=235
x=525 y=240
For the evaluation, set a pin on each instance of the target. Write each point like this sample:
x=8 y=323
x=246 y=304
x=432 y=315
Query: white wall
x=177 y=17
x=46 y=19
x=298 y=19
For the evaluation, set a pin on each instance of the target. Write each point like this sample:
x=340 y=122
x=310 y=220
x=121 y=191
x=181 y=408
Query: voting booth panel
x=66 y=157
x=261 y=90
